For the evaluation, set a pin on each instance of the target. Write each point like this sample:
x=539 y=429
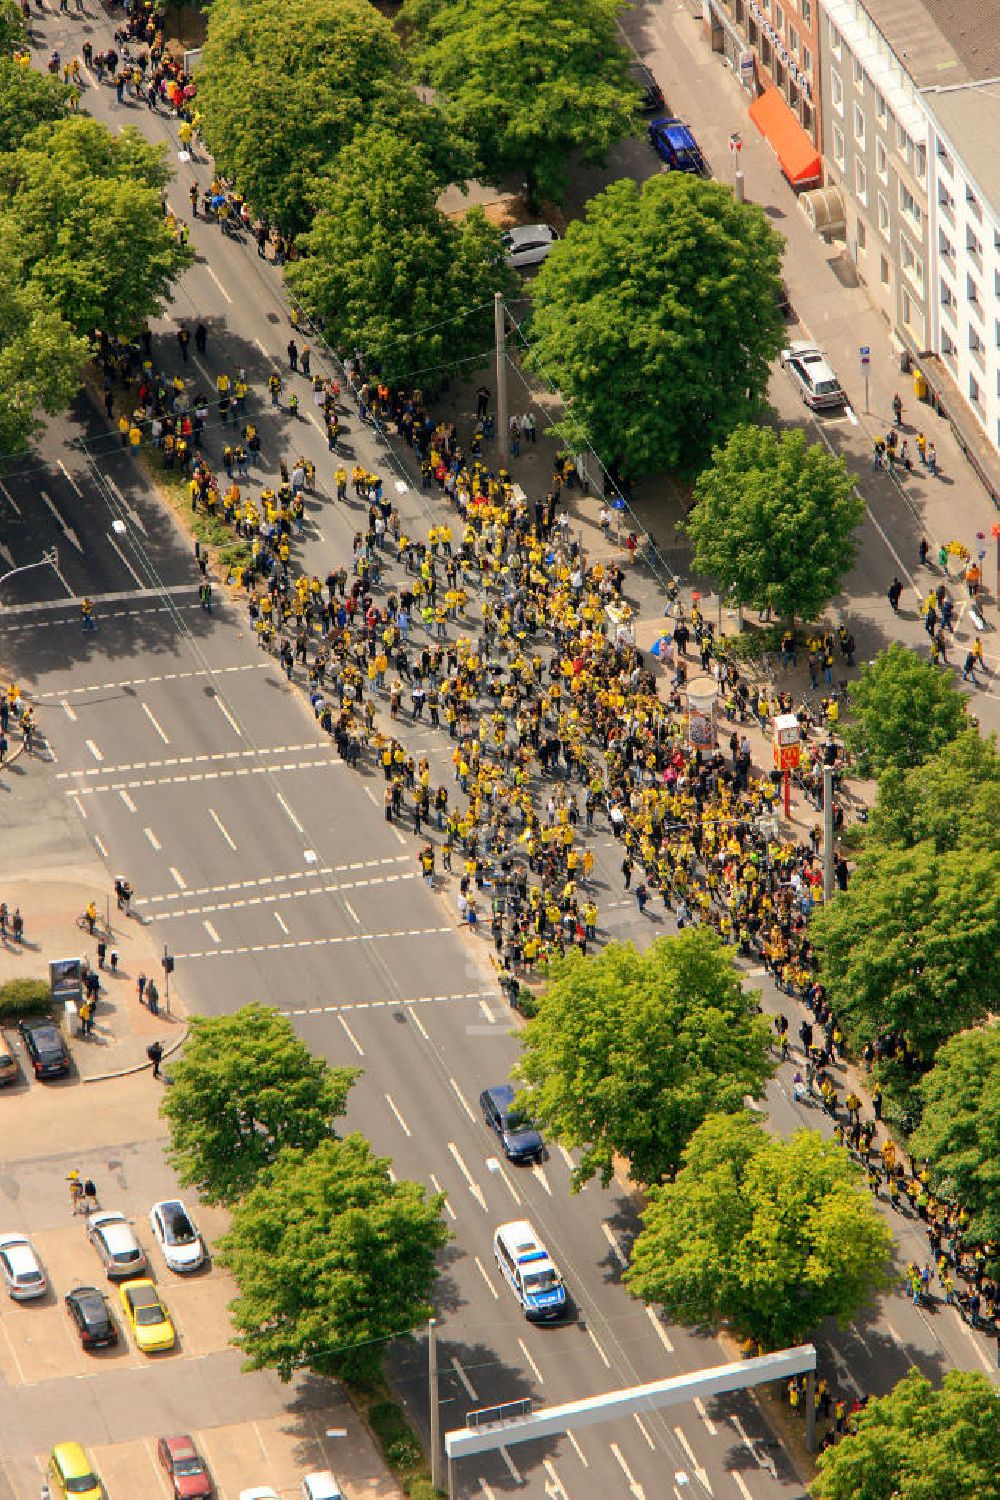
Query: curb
x=137 y=1067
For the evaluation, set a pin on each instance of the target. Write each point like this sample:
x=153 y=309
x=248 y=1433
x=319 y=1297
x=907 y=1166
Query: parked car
x=9 y=1070
x=675 y=145
x=147 y=1317
x=91 y=1315
x=515 y=1132
x=21 y=1269
x=652 y=100
x=528 y=244
x=321 y=1485
x=71 y=1475
x=183 y=1247
x=185 y=1468
x=812 y=374
x=45 y=1048
x=113 y=1237
x=262 y=1492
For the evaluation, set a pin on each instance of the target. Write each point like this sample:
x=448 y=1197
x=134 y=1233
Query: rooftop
x=970 y=120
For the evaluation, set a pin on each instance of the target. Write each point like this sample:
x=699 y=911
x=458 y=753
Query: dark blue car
x=517 y=1135
x=674 y=144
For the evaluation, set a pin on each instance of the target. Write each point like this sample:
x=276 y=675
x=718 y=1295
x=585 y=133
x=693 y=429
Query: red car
x=186 y=1469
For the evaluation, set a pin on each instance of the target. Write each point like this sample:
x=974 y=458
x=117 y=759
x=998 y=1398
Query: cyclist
x=90 y=916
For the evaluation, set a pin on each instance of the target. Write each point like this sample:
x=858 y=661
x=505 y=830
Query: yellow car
x=71 y=1474
x=146 y=1316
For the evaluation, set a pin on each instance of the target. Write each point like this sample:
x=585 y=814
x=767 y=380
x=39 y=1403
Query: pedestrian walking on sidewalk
x=155 y=1054
x=897 y=409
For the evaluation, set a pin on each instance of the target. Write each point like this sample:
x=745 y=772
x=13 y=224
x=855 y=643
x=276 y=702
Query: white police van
x=527 y=1267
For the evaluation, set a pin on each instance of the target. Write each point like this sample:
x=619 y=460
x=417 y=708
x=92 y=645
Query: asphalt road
x=267 y=869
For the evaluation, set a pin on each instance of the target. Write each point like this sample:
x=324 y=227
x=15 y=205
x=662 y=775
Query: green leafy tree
x=245 y=1087
x=332 y=1260
x=41 y=358
x=285 y=84
x=902 y=709
x=918 y=1443
x=657 y=317
x=27 y=99
x=959 y=1131
x=910 y=945
x=769 y=1234
x=12 y=33
x=83 y=216
x=774 y=521
x=530 y=84
x=390 y=273
x=630 y=1051
x=951 y=798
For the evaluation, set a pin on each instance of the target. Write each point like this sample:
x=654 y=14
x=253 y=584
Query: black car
x=518 y=1136
x=652 y=102
x=46 y=1048
x=88 y=1307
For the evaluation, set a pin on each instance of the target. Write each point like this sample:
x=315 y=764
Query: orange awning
x=796 y=153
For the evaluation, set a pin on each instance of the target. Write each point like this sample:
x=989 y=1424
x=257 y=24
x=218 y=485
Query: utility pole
x=432 y=1381
x=827 y=832
x=503 y=418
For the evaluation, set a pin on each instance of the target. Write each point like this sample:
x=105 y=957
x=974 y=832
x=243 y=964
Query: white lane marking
x=218 y=283
x=699 y=1471
x=351 y=912
x=462 y=1100
x=849 y=413
x=643 y=1429
x=69 y=712
x=402 y=1123
x=485 y=1490
x=260 y=346
x=5 y=492
x=104 y=687
x=609 y=1235
x=470 y=1181
x=181 y=882
x=488 y=1279
x=94 y=750
x=100 y=845
x=281 y=922
x=741 y=1484
x=699 y=1407
x=418 y=1024
x=439 y=1189
x=661 y=1332
x=291 y=816
x=514 y=1473
x=578 y=1450
x=245 y=885
x=222 y=828
x=629 y=1476
x=351 y=1037
x=70 y=477
x=534 y=1368
x=78 y=805
x=538 y=1172
x=124 y=561
x=211 y=931
x=123 y=794
x=228 y=716
x=153 y=839
x=567 y=1158
x=490 y=1017
x=155 y=723
x=555 y=1487
x=470 y=1389
x=763 y=1461
x=64 y=527
x=593 y=1339
x=510 y=1186
x=328 y=942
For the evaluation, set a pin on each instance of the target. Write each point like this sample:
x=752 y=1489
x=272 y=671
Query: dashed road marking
x=222 y=828
x=594 y=1340
x=153 y=839
x=156 y=723
x=280 y=921
x=247 y=885
x=402 y=1123
x=353 y=1039
x=488 y=1279
x=95 y=752
x=100 y=846
x=69 y=712
x=326 y=763
x=131 y=682
x=123 y=794
x=181 y=882
x=534 y=1367
x=211 y=931
x=291 y=816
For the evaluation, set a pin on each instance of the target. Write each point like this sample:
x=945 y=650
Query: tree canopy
x=285 y=84
x=12 y=33
x=959 y=1131
x=82 y=215
x=332 y=1259
x=41 y=358
x=390 y=273
x=630 y=1051
x=245 y=1087
x=772 y=1235
x=910 y=946
x=657 y=317
x=774 y=520
x=529 y=84
x=952 y=798
x=902 y=709
x=918 y=1443
x=27 y=99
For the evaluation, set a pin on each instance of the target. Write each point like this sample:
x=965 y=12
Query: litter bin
x=71 y=1017
x=919 y=385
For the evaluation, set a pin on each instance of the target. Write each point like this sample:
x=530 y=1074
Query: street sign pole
x=865 y=353
x=435 y=1408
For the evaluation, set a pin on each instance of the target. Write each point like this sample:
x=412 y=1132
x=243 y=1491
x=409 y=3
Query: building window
x=881 y=160
x=920 y=161
x=902 y=141
x=881 y=109
x=883 y=216
x=973 y=203
x=996 y=283
x=859 y=125
x=807 y=117
x=946 y=201
x=838 y=146
x=860 y=181
x=793 y=39
x=971 y=291
x=948 y=346
x=883 y=269
x=862 y=235
x=805 y=6
x=944 y=159
x=910 y=206
x=973 y=245
x=996 y=337
x=858 y=74
x=975 y=341
x=948 y=296
x=836 y=44
x=974 y=394
x=837 y=91
x=779 y=20
x=910 y=262
x=806 y=60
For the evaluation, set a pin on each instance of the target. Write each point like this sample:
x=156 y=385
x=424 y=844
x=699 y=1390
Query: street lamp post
x=47 y=560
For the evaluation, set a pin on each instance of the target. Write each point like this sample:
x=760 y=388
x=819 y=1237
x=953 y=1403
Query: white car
x=812 y=373
x=113 y=1237
x=528 y=244
x=21 y=1269
x=177 y=1236
x=321 y=1485
x=263 y=1492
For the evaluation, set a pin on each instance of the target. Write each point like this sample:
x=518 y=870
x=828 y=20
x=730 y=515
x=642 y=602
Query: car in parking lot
x=652 y=100
x=147 y=1317
x=321 y=1485
x=88 y=1308
x=21 y=1269
x=9 y=1070
x=45 y=1048
x=185 y=1468
x=71 y=1475
x=113 y=1237
x=675 y=145
x=175 y=1233
x=812 y=375
x=515 y=1132
x=262 y=1492
x=528 y=244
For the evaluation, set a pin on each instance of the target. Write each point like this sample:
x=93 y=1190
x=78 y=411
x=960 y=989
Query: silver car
x=812 y=374
x=113 y=1237
x=21 y=1269
x=528 y=244
x=177 y=1236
